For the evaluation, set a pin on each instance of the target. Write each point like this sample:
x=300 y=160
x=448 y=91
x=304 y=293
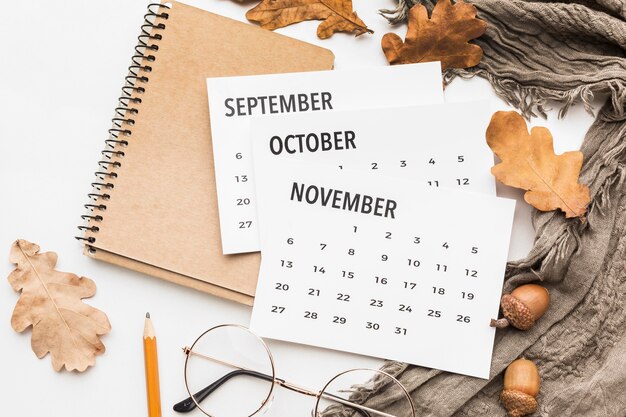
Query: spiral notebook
x=154 y=205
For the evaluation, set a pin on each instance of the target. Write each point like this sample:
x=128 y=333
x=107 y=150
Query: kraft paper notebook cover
x=154 y=208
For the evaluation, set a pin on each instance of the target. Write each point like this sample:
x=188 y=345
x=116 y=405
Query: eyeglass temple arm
x=188 y=404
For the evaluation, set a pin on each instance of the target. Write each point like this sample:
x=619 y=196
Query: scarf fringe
x=401 y=13
x=534 y=101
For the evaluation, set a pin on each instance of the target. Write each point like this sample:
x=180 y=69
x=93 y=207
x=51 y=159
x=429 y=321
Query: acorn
x=525 y=305
x=521 y=386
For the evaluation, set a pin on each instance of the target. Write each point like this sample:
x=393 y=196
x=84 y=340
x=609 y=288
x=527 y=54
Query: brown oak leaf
x=51 y=302
x=337 y=15
x=444 y=37
x=529 y=163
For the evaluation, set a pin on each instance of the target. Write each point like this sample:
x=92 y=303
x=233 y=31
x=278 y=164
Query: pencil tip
x=147 y=315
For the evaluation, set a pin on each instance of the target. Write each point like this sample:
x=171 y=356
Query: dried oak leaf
x=337 y=15
x=529 y=163
x=51 y=302
x=444 y=37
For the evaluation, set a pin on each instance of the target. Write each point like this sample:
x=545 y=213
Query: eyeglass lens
x=354 y=386
x=229 y=372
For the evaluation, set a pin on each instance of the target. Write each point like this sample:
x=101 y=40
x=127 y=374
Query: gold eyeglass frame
x=285 y=384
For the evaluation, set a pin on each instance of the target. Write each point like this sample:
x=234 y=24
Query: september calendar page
x=233 y=100
x=383 y=267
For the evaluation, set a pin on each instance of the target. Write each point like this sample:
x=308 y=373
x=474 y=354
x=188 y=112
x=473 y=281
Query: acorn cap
x=516 y=312
x=517 y=403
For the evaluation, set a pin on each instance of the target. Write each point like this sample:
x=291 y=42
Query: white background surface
x=61 y=68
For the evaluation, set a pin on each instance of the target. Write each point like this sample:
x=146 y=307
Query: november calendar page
x=411 y=273
x=233 y=100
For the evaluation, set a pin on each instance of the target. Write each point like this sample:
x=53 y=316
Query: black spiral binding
x=123 y=120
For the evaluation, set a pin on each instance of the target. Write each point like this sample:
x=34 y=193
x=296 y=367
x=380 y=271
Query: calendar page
x=437 y=145
x=378 y=266
x=233 y=100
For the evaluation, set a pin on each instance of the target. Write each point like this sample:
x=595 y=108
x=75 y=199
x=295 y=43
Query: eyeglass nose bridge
x=297 y=388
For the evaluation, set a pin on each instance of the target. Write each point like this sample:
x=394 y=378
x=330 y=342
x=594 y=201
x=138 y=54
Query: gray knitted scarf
x=536 y=53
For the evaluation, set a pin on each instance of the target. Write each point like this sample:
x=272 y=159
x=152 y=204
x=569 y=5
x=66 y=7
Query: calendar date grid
x=433 y=170
x=242 y=195
x=325 y=288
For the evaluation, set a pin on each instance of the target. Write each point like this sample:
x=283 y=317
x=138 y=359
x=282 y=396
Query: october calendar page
x=414 y=142
x=410 y=273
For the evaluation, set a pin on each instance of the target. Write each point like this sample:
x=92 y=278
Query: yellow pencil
x=152 y=369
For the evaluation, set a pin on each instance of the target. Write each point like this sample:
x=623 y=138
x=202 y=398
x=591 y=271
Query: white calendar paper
x=233 y=100
x=378 y=266
x=437 y=145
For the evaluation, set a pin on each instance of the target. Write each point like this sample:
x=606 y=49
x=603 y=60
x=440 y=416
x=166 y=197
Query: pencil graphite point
x=152 y=369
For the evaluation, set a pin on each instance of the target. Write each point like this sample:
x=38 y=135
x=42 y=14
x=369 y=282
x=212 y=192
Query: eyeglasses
x=230 y=372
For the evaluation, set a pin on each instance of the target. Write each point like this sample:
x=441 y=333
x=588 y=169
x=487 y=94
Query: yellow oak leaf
x=529 y=163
